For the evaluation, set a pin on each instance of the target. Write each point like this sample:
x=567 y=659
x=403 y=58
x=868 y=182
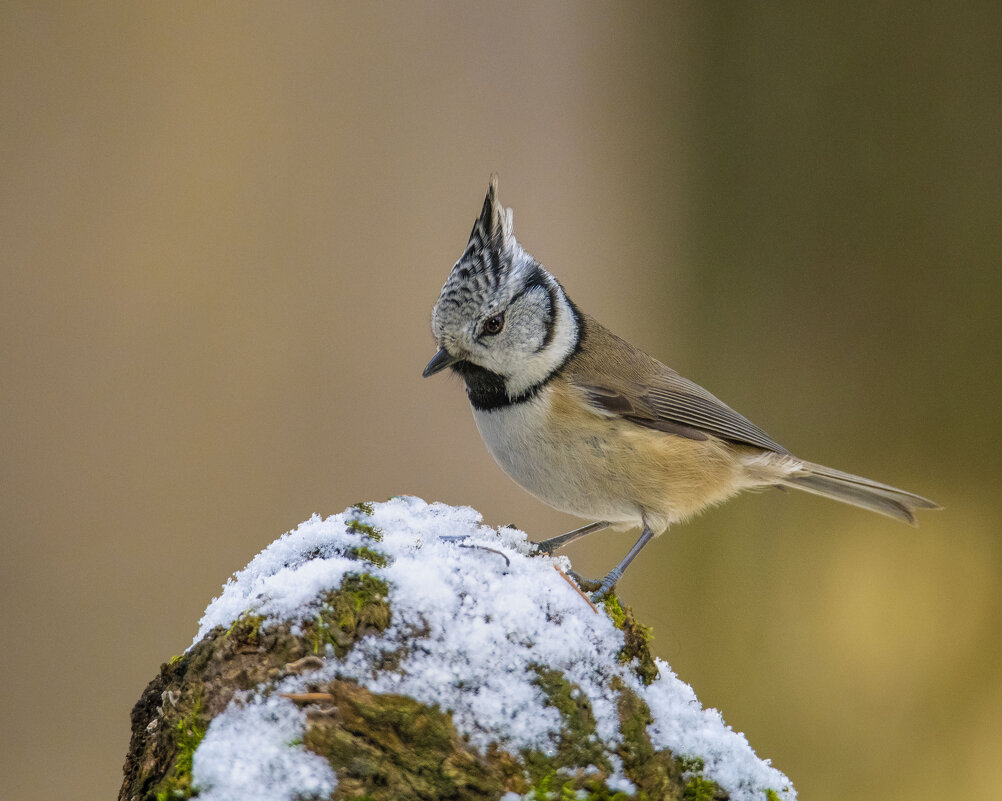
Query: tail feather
x=858 y=491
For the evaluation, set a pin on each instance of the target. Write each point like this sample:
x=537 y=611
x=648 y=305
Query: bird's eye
x=493 y=325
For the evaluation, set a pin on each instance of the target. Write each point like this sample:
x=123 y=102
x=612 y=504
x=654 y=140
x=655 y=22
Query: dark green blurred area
x=849 y=189
x=223 y=230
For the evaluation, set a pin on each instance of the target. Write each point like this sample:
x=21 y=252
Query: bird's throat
x=486 y=390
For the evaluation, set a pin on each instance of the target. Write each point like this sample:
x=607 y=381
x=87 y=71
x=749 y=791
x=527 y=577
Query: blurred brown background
x=222 y=233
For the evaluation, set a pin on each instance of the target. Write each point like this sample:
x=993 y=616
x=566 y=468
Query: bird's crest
x=494 y=228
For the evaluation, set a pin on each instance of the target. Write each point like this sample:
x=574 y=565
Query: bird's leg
x=616 y=573
x=553 y=543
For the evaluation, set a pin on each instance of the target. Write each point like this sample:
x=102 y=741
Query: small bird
x=593 y=426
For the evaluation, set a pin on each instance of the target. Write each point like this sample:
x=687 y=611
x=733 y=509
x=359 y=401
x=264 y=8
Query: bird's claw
x=588 y=585
x=603 y=590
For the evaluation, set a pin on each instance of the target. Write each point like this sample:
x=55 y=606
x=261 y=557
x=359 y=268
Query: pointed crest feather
x=495 y=226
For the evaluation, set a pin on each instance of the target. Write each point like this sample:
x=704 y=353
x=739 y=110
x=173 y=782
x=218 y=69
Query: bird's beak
x=439 y=362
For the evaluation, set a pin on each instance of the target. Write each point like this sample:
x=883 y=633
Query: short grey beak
x=439 y=362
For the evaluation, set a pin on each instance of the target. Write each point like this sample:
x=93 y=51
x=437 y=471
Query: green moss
x=700 y=789
x=614 y=610
x=359 y=605
x=771 y=795
x=246 y=628
x=578 y=746
x=691 y=764
x=359 y=527
x=550 y=787
x=598 y=791
x=655 y=773
x=369 y=555
x=186 y=734
x=557 y=787
x=190 y=731
x=634 y=717
x=365 y=529
x=638 y=639
x=393 y=748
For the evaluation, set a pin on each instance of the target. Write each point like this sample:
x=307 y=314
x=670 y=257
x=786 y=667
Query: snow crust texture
x=248 y=752
x=478 y=616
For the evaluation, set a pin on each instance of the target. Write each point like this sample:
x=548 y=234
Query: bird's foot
x=588 y=585
x=600 y=589
x=597 y=589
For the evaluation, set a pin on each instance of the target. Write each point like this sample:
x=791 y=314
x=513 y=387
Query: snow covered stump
x=363 y=656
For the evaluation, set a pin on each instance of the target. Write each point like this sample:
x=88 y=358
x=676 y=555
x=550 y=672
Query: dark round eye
x=493 y=325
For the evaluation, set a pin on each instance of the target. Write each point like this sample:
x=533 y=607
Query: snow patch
x=252 y=751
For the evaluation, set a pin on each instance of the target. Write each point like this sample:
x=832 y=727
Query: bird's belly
x=569 y=470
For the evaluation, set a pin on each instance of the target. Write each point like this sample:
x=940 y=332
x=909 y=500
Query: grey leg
x=553 y=543
x=616 y=573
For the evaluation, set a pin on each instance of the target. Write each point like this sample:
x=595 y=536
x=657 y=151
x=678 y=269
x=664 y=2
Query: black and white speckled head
x=502 y=321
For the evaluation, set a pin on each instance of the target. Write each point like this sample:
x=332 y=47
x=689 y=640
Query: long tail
x=858 y=491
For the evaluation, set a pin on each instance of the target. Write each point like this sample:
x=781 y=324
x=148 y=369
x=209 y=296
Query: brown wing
x=620 y=380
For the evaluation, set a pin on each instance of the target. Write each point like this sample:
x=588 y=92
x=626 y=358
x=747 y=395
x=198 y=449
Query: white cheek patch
x=534 y=368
